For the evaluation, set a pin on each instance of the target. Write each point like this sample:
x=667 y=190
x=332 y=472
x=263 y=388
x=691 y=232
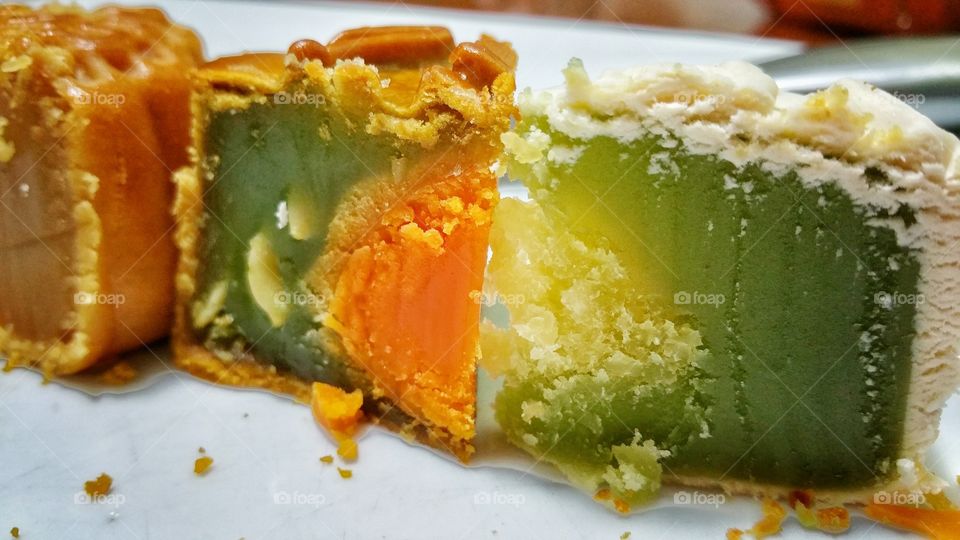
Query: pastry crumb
x=345 y=473
x=338 y=411
x=202 y=465
x=625 y=535
x=15 y=532
x=328 y=459
x=769 y=524
x=202 y=450
x=98 y=487
x=347 y=449
x=621 y=505
x=833 y=520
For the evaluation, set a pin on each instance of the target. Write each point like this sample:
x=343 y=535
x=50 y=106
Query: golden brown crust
x=109 y=89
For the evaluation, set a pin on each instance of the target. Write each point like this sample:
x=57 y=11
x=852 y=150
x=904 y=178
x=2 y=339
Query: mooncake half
x=94 y=116
x=334 y=223
x=719 y=284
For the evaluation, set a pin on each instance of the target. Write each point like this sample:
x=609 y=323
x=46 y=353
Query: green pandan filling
x=275 y=175
x=676 y=314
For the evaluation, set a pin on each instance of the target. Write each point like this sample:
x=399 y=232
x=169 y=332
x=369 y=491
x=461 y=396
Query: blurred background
x=812 y=21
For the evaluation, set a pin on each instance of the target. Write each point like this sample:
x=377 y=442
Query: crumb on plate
x=336 y=410
x=202 y=465
x=347 y=449
x=100 y=486
x=769 y=524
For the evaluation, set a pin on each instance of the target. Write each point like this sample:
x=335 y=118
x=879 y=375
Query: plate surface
x=267 y=481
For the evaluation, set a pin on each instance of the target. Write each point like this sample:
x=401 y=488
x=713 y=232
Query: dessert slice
x=94 y=114
x=334 y=223
x=718 y=284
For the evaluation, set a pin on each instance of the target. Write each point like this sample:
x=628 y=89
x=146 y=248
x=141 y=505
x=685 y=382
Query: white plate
x=267 y=481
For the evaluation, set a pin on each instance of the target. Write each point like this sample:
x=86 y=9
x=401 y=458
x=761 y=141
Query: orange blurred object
x=872 y=16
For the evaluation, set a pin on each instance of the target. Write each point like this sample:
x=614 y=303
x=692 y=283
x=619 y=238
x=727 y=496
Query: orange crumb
x=100 y=486
x=734 y=534
x=345 y=473
x=327 y=459
x=202 y=465
x=621 y=506
x=336 y=410
x=602 y=494
x=833 y=520
x=347 y=449
x=939 y=501
x=769 y=524
x=15 y=532
x=935 y=524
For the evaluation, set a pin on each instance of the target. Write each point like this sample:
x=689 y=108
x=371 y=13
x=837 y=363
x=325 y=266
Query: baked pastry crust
x=95 y=109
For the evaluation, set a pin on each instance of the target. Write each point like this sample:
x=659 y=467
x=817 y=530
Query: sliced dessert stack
x=334 y=222
x=724 y=285
x=94 y=115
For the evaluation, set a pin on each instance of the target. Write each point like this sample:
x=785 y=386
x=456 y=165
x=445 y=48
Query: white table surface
x=267 y=481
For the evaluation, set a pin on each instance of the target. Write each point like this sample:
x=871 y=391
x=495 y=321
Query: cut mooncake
x=719 y=284
x=334 y=223
x=94 y=115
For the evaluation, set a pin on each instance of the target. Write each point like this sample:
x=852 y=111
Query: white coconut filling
x=736 y=112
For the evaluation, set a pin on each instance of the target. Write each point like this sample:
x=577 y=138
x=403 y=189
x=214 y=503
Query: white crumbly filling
x=735 y=111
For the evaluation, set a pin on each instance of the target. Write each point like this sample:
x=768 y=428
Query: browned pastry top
x=405 y=52
x=100 y=44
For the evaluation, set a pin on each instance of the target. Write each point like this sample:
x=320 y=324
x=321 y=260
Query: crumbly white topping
x=737 y=104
